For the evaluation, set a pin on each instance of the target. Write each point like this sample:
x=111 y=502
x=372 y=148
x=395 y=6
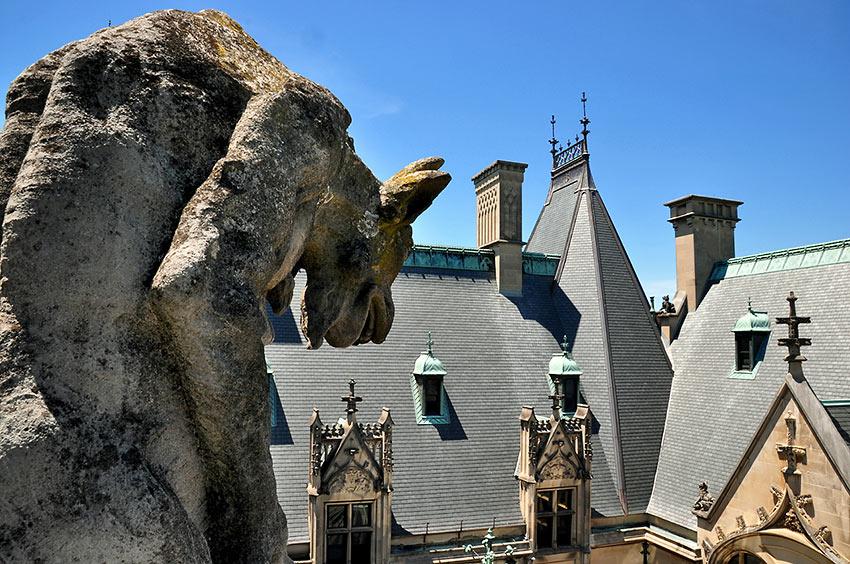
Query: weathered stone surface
x=161 y=180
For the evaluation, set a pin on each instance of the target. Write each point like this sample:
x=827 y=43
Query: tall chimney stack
x=498 y=189
x=705 y=234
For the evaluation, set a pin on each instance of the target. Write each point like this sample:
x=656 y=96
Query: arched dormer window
x=751 y=333
x=426 y=383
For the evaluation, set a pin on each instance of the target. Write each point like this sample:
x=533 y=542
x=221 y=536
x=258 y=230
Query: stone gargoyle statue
x=161 y=181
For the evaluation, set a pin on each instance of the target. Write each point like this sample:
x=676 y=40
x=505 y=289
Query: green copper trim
x=820 y=254
x=427 y=364
x=752 y=321
x=750 y=374
x=479 y=260
x=419 y=409
x=561 y=363
x=836 y=403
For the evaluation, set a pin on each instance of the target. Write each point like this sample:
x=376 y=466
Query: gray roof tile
x=712 y=418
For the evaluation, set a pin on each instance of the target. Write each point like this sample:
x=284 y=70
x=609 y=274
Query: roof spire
x=351 y=400
x=584 y=121
x=553 y=141
x=793 y=341
x=430 y=343
x=565 y=345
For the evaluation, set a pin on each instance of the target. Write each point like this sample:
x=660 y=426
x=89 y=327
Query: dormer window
x=751 y=333
x=565 y=370
x=426 y=384
x=432 y=396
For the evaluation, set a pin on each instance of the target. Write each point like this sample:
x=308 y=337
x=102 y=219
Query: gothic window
x=555 y=518
x=348 y=532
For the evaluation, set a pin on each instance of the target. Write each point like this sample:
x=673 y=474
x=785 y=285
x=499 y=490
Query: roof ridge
x=806 y=256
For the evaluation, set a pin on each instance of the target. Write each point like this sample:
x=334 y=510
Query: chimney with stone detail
x=705 y=234
x=498 y=189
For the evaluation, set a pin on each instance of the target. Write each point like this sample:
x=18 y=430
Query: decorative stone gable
x=554 y=475
x=350 y=467
x=789 y=499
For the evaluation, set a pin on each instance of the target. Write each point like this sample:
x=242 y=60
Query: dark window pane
x=433 y=395
x=570 y=395
x=361 y=548
x=742 y=347
x=337 y=516
x=544 y=502
x=544 y=532
x=565 y=500
x=336 y=548
x=361 y=514
x=565 y=530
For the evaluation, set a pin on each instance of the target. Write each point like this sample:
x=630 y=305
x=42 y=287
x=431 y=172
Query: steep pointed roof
x=627 y=374
x=553 y=224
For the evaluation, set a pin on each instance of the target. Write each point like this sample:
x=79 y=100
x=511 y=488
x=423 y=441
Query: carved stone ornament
x=557 y=470
x=353 y=481
x=704 y=502
x=792 y=522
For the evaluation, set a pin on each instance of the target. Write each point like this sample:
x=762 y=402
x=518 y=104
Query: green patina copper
x=820 y=254
x=752 y=321
x=479 y=260
x=427 y=364
x=489 y=556
x=561 y=363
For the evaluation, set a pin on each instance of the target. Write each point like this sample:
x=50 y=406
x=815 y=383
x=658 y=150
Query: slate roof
x=626 y=371
x=712 y=417
x=496 y=351
x=550 y=232
x=840 y=415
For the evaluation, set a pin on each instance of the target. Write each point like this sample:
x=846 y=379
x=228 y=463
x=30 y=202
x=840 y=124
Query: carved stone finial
x=793 y=341
x=430 y=344
x=704 y=502
x=351 y=401
x=666 y=305
x=565 y=345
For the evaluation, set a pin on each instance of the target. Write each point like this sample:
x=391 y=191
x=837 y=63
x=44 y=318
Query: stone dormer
x=554 y=474
x=350 y=486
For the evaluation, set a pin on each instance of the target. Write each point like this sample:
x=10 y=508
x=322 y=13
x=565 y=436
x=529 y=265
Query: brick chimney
x=498 y=189
x=705 y=233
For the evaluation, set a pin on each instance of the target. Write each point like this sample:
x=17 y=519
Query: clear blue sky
x=738 y=99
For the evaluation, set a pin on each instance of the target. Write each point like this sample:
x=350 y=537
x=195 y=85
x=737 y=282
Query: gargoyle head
x=357 y=247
